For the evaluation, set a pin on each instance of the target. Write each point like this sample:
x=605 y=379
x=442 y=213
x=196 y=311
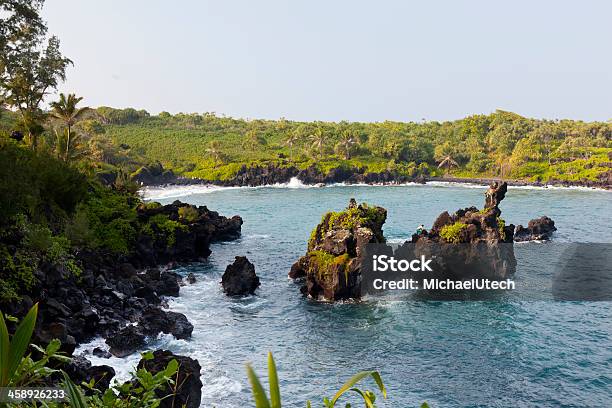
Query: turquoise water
x=506 y=353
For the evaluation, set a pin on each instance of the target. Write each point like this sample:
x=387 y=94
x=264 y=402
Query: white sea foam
x=173 y=191
x=294 y=182
x=123 y=366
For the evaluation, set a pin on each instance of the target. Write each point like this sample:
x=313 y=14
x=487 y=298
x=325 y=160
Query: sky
x=340 y=60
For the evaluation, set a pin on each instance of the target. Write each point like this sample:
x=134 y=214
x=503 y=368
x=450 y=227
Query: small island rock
x=332 y=264
x=239 y=278
x=539 y=229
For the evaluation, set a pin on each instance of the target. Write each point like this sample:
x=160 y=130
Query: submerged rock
x=239 y=278
x=98 y=352
x=539 y=229
x=188 y=385
x=332 y=264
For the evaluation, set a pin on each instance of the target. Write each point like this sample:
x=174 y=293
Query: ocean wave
x=172 y=191
x=294 y=182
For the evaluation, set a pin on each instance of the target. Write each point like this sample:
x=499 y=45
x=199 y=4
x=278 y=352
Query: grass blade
x=366 y=399
x=379 y=382
x=21 y=340
x=275 y=398
x=358 y=377
x=4 y=352
x=75 y=396
x=349 y=384
x=259 y=394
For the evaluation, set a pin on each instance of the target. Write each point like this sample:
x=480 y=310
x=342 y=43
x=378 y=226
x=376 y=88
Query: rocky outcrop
x=114 y=291
x=151 y=322
x=470 y=243
x=239 y=278
x=188 y=392
x=270 y=174
x=353 y=175
x=126 y=341
x=155 y=320
x=539 y=229
x=200 y=227
x=260 y=175
x=80 y=370
x=153 y=174
x=263 y=175
x=331 y=267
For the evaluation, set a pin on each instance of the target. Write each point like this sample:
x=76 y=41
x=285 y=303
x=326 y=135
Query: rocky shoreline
x=272 y=174
x=121 y=298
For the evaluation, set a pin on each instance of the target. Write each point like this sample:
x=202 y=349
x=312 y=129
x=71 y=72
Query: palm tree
x=447 y=163
x=66 y=112
x=292 y=139
x=214 y=151
x=319 y=139
x=347 y=141
x=253 y=140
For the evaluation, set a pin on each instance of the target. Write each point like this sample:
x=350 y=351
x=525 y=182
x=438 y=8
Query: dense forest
x=501 y=144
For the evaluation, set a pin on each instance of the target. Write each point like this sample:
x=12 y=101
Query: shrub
x=17 y=273
x=78 y=231
x=452 y=233
x=168 y=228
x=43 y=245
x=188 y=213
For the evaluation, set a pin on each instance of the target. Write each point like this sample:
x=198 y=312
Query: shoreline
x=274 y=175
x=295 y=182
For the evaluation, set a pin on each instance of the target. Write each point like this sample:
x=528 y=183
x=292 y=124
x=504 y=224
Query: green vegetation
x=167 y=227
x=501 y=144
x=501 y=225
x=323 y=263
x=51 y=210
x=188 y=213
x=262 y=401
x=452 y=233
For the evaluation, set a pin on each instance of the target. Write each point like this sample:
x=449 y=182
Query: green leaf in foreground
x=355 y=379
x=274 y=386
x=259 y=394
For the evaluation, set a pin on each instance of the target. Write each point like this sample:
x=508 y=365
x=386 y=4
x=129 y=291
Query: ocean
x=507 y=352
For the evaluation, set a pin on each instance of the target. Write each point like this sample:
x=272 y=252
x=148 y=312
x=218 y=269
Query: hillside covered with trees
x=501 y=144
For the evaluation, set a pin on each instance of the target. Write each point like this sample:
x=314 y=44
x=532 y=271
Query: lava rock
x=80 y=370
x=239 y=278
x=332 y=265
x=98 y=352
x=126 y=341
x=539 y=229
x=189 y=386
x=155 y=320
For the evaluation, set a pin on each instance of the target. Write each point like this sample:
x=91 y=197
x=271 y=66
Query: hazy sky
x=334 y=60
